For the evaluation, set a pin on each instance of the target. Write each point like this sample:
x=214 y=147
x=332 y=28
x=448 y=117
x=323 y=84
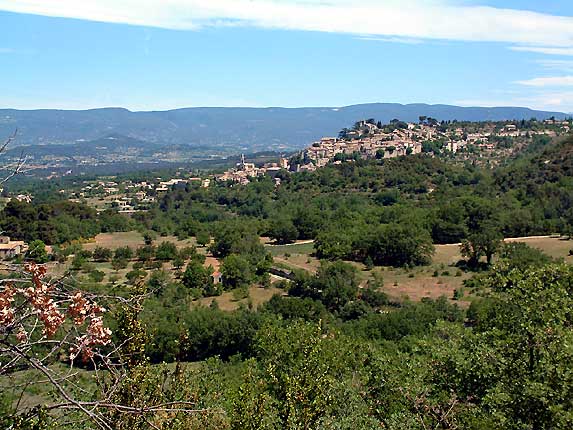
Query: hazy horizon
x=333 y=107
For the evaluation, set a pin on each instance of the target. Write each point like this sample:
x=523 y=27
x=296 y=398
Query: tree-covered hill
x=551 y=163
x=332 y=349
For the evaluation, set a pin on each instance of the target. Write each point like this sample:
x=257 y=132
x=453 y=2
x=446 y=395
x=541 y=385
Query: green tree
x=402 y=244
x=78 y=262
x=524 y=330
x=485 y=236
x=119 y=264
x=283 y=230
x=97 y=275
x=236 y=271
x=337 y=283
x=198 y=277
x=123 y=253
x=146 y=253
x=148 y=237
x=166 y=251
x=203 y=237
x=37 y=252
x=102 y=254
x=178 y=262
x=482 y=243
x=333 y=245
x=135 y=275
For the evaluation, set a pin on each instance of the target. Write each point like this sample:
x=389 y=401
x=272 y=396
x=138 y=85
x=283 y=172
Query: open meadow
x=441 y=278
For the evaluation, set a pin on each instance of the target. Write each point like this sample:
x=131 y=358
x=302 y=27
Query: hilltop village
x=476 y=142
x=480 y=143
x=463 y=141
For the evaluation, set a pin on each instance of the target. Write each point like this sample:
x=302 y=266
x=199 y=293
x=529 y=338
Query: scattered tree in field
x=203 y=237
x=198 y=277
x=166 y=251
x=123 y=253
x=236 y=272
x=119 y=264
x=102 y=254
x=37 y=252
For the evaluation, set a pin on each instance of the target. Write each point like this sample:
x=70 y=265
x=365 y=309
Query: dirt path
x=298 y=242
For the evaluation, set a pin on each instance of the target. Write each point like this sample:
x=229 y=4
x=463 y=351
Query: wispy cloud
x=561 y=65
x=553 y=81
x=7 y=51
x=545 y=50
x=405 y=40
x=417 y=19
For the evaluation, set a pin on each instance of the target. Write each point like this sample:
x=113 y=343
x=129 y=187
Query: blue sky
x=152 y=54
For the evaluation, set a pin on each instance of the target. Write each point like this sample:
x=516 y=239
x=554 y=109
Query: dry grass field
x=113 y=241
x=133 y=239
x=441 y=278
x=227 y=301
x=552 y=246
x=420 y=282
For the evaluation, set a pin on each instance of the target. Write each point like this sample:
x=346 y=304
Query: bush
x=37 y=252
x=296 y=308
x=166 y=251
x=102 y=254
x=522 y=256
x=123 y=253
x=84 y=253
x=78 y=262
x=154 y=264
x=373 y=297
x=240 y=293
x=354 y=310
x=369 y=263
x=135 y=275
x=118 y=263
x=146 y=252
x=97 y=275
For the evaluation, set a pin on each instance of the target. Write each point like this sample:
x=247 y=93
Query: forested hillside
x=184 y=342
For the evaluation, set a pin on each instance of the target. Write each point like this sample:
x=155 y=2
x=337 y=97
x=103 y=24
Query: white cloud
x=438 y=19
x=405 y=40
x=553 y=81
x=544 y=50
x=561 y=65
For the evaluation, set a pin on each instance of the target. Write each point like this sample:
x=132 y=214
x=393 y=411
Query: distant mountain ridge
x=239 y=129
